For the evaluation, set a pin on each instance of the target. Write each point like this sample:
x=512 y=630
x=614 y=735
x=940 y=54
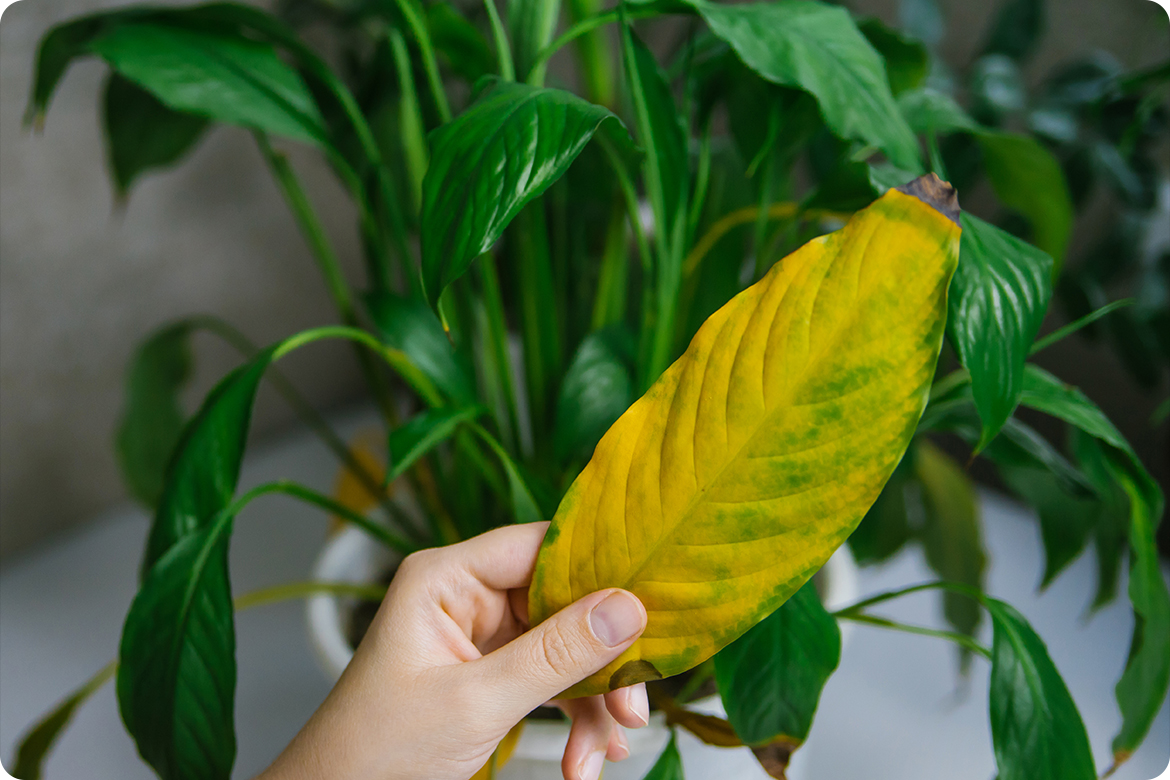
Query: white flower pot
x=351 y=556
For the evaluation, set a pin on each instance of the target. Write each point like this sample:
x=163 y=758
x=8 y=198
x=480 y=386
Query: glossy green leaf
x=177 y=670
x=410 y=326
x=998 y=299
x=906 y=59
x=951 y=535
x=34 y=746
x=817 y=47
x=770 y=679
x=422 y=433
x=1111 y=529
x=1017 y=29
x=669 y=764
x=486 y=164
x=885 y=528
x=227 y=78
x=1036 y=730
x=1026 y=177
x=753 y=457
x=460 y=42
x=142 y=134
x=1045 y=393
x=930 y=111
x=1065 y=520
x=152 y=416
x=596 y=389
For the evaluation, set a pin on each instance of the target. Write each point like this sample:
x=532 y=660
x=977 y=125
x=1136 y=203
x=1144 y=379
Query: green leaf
x=1111 y=530
x=525 y=508
x=531 y=24
x=460 y=42
x=997 y=302
x=596 y=389
x=488 y=163
x=770 y=679
x=422 y=433
x=951 y=535
x=1045 y=393
x=177 y=670
x=884 y=530
x=228 y=78
x=1036 y=730
x=34 y=746
x=818 y=48
x=1017 y=29
x=1065 y=520
x=1026 y=177
x=153 y=417
x=905 y=58
x=930 y=111
x=143 y=134
x=669 y=764
x=410 y=326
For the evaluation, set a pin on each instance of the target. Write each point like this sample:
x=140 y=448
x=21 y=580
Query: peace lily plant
x=712 y=391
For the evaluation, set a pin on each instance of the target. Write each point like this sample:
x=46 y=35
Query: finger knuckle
x=558 y=650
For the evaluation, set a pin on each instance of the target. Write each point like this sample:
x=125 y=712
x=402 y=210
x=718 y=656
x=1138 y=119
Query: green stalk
x=594 y=59
x=303 y=590
x=413 y=133
x=951 y=636
x=418 y=29
x=610 y=304
x=503 y=51
x=1077 y=324
x=497 y=333
x=586 y=26
x=539 y=321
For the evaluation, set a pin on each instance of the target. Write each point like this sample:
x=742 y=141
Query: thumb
x=565 y=649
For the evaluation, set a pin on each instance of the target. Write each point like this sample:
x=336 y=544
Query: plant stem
x=594 y=59
x=610 y=304
x=951 y=636
x=503 y=51
x=540 y=325
x=419 y=30
x=848 y=612
x=300 y=590
x=1077 y=324
x=498 y=341
x=413 y=134
x=585 y=26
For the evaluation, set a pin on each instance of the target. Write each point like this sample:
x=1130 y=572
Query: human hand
x=449 y=666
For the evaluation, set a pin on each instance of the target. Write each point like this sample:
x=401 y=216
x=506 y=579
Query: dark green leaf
x=663 y=136
x=951 y=533
x=411 y=326
x=818 y=48
x=531 y=24
x=227 y=78
x=152 y=418
x=487 y=164
x=997 y=301
x=1036 y=730
x=525 y=507
x=1065 y=520
x=1027 y=178
x=996 y=87
x=884 y=530
x=143 y=134
x=34 y=746
x=928 y=110
x=1045 y=393
x=597 y=388
x=1111 y=530
x=771 y=678
x=1017 y=29
x=905 y=58
x=460 y=42
x=177 y=670
x=422 y=433
x=669 y=764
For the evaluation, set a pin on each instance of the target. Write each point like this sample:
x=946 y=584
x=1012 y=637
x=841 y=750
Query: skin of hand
x=450 y=665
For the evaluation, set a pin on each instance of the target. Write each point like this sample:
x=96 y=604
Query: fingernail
x=591 y=766
x=623 y=744
x=638 y=703
x=616 y=619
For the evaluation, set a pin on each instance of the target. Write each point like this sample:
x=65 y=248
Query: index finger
x=502 y=559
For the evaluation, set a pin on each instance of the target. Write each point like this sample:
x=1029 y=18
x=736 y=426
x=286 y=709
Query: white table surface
x=894 y=710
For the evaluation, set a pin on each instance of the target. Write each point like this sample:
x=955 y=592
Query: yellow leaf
x=754 y=456
x=503 y=752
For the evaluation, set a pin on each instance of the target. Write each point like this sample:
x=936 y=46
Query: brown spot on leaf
x=774 y=757
x=633 y=672
x=936 y=193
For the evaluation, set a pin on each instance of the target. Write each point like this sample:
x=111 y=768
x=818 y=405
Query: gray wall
x=81 y=284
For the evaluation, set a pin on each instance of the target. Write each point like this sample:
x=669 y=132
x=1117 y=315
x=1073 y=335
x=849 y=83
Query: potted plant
x=537 y=259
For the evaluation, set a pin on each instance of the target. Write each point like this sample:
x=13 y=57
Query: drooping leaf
x=1017 y=29
x=228 y=78
x=34 y=746
x=1065 y=520
x=486 y=164
x=928 y=110
x=422 y=433
x=142 y=134
x=177 y=669
x=1036 y=730
x=906 y=59
x=997 y=302
x=409 y=325
x=596 y=389
x=153 y=417
x=770 y=679
x=1027 y=178
x=817 y=47
x=885 y=528
x=753 y=457
x=669 y=764
x=951 y=535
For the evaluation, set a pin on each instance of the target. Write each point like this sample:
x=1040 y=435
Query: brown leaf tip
x=633 y=672
x=936 y=193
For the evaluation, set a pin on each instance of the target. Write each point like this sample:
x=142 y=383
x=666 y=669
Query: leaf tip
x=936 y=193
